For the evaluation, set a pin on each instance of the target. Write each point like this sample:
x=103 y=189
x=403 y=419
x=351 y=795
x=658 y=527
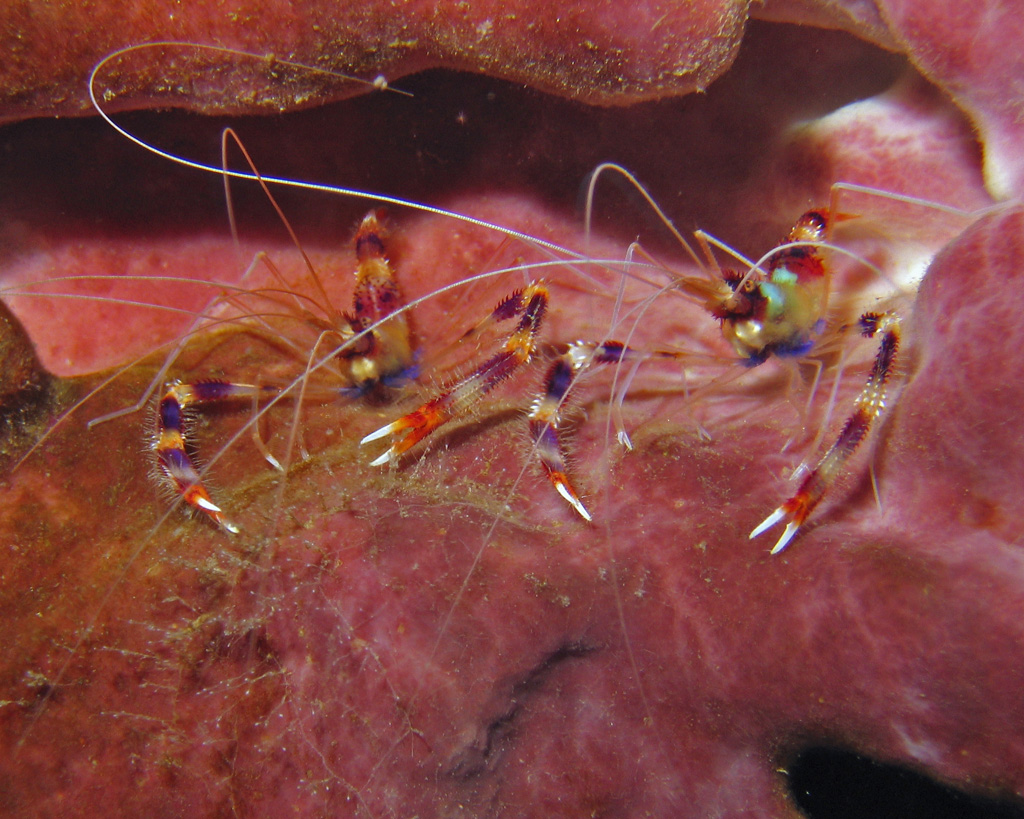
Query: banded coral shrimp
x=336 y=678
x=124 y=506
x=778 y=307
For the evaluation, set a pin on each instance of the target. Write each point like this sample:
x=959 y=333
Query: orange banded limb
x=384 y=352
x=530 y=304
x=170 y=445
x=868 y=406
x=545 y=414
x=545 y=421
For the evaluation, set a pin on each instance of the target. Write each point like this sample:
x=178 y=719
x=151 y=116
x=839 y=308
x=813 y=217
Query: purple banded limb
x=529 y=304
x=171 y=446
x=546 y=416
x=867 y=407
x=373 y=347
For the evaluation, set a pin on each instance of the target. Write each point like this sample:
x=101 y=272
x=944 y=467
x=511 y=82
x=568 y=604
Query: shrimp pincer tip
x=383 y=459
x=768 y=522
x=217 y=514
x=383 y=432
x=208 y=506
x=574 y=501
x=787 y=535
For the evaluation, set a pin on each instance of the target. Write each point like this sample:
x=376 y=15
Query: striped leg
x=867 y=408
x=384 y=353
x=529 y=304
x=545 y=414
x=546 y=418
x=169 y=444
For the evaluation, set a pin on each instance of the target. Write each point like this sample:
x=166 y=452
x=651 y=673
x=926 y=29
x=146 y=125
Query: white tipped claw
x=625 y=440
x=204 y=504
x=799 y=473
x=574 y=502
x=218 y=515
x=787 y=535
x=383 y=432
x=276 y=464
x=389 y=454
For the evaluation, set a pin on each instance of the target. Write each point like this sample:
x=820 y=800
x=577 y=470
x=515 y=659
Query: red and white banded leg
x=868 y=406
x=530 y=305
x=169 y=443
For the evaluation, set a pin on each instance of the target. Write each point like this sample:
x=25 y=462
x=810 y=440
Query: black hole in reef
x=828 y=783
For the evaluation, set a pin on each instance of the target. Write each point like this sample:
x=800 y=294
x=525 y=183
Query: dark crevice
x=475 y=760
x=831 y=783
x=538 y=675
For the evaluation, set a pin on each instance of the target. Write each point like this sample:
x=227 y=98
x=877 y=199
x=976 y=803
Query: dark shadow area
x=458 y=133
x=828 y=783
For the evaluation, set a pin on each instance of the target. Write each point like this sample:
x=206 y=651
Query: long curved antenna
x=299 y=184
x=654 y=206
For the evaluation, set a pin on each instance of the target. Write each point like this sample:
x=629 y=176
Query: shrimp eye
x=736 y=307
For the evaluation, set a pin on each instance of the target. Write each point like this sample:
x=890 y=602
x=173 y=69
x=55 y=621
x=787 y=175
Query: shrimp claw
x=374 y=348
x=868 y=406
x=545 y=414
x=530 y=304
x=545 y=420
x=169 y=443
